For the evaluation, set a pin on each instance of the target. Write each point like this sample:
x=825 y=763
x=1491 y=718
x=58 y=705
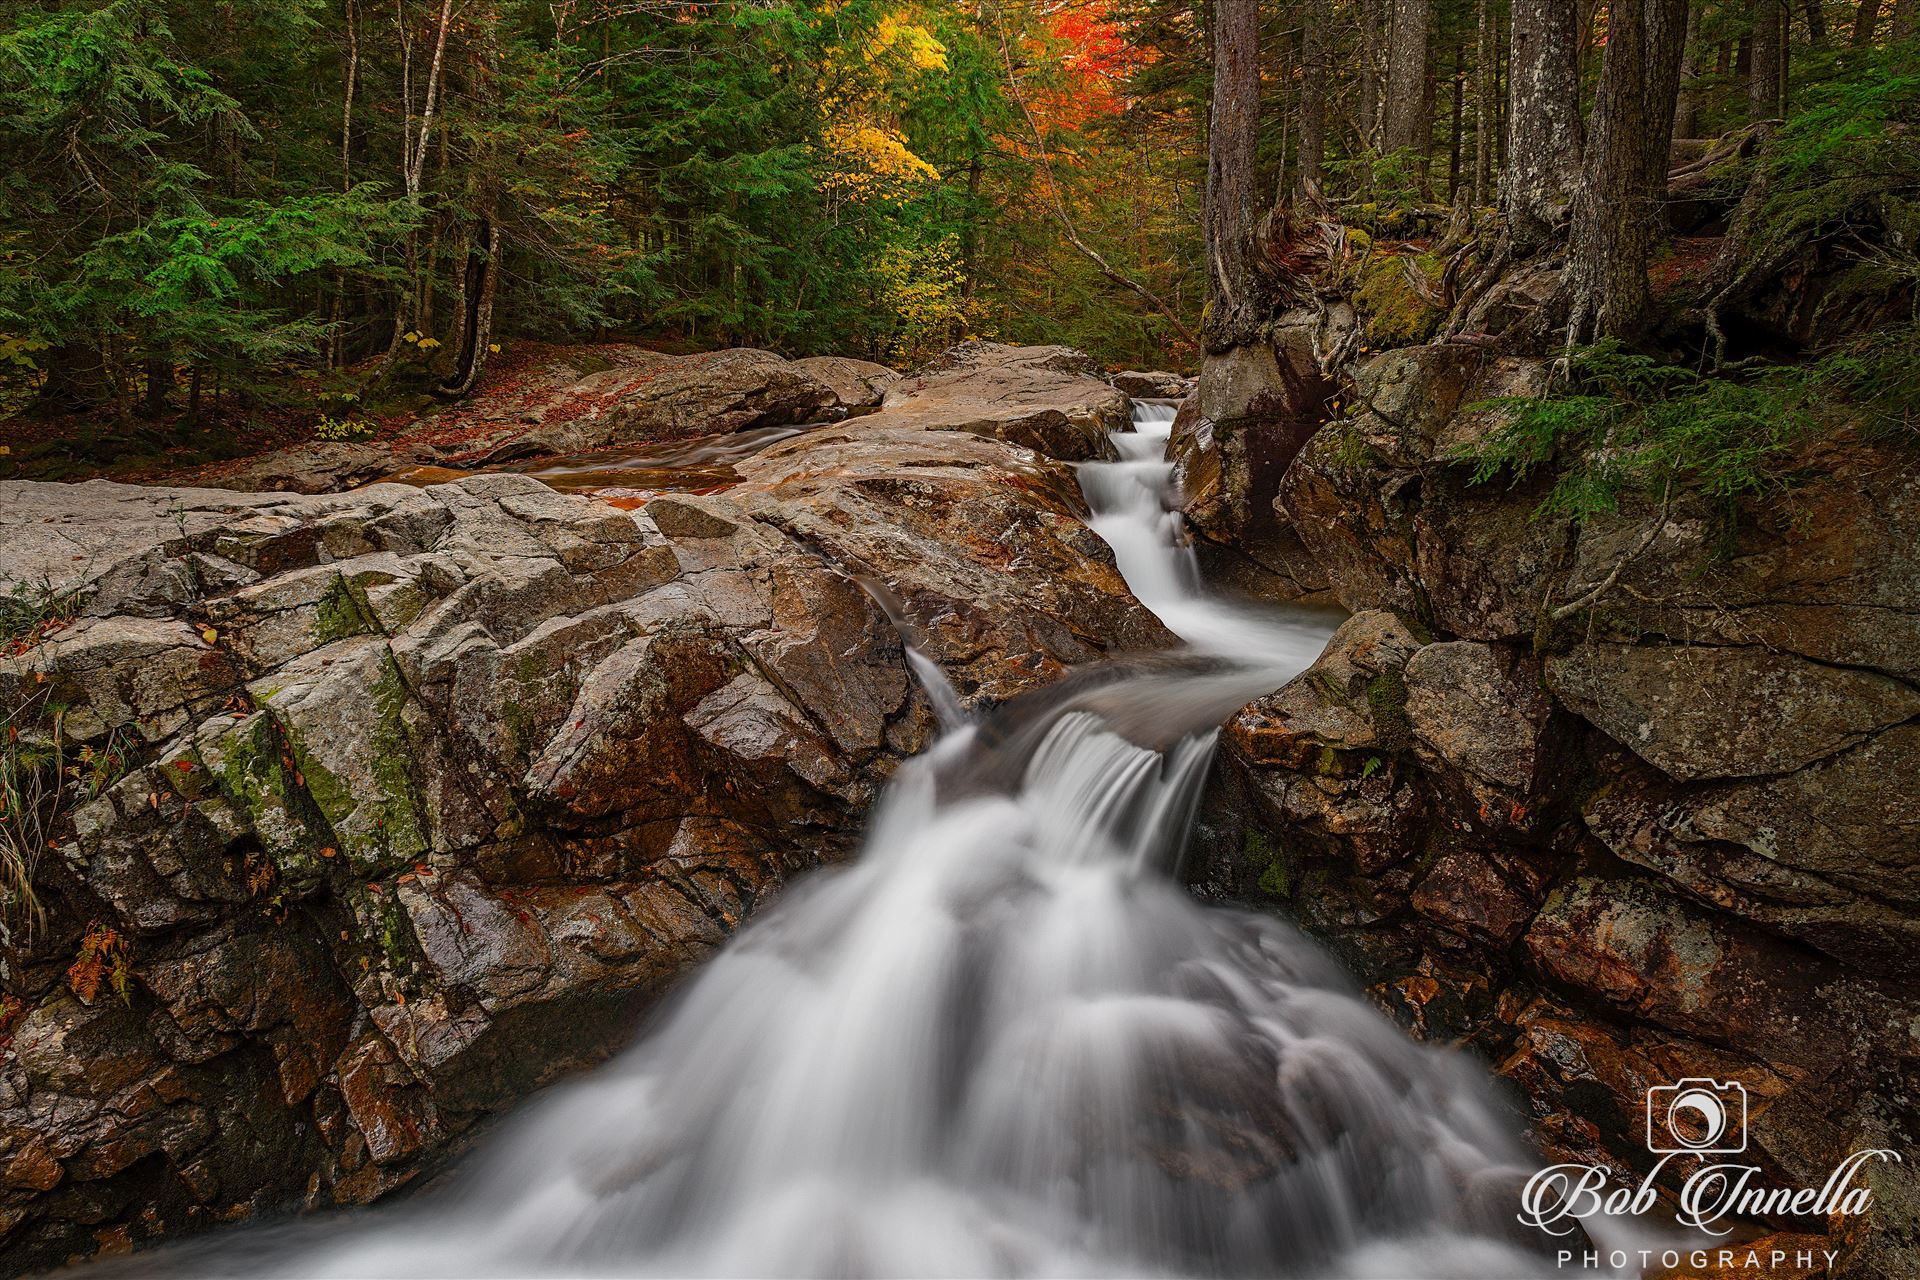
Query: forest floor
x=174 y=450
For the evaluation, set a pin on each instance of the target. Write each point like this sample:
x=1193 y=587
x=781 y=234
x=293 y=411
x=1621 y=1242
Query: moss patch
x=343 y=611
x=1395 y=315
x=1387 y=699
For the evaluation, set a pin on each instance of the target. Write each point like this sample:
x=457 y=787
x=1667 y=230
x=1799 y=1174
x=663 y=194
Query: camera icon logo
x=1697 y=1116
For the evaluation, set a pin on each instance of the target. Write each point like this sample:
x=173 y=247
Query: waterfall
x=1003 y=1041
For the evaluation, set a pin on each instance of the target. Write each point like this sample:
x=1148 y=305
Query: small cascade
x=1004 y=1041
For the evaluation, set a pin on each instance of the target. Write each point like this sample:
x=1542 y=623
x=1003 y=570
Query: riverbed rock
x=399 y=803
x=856 y=384
x=1154 y=385
x=1252 y=410
x=1660 y=771
x=1046 y=399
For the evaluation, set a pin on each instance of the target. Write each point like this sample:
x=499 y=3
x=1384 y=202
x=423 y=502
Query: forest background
x=210 y=207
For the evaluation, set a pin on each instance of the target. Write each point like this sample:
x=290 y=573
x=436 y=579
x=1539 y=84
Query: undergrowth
x=42 y=773
x=31 y=611
x=1845 y=165
x=1625 y=422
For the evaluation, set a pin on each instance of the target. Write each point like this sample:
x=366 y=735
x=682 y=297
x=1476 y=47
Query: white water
x=1003 y=1042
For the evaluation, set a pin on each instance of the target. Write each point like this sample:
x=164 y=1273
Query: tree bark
x=1370 y=72
x=1484 y=75
x=1544 y=141
x=1408 y=106
x=1458 y=112
x=1686 y=111
x=1237 y=304
x=1906 y=19
x=1313 y=97
x=479 y=282
x=1621 y=207
x=1766 y=61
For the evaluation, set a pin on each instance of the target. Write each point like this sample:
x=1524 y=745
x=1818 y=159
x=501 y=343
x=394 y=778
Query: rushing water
x=1004 y=1041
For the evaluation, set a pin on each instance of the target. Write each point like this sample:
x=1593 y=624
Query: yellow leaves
x=915 y=44
x=209 y=634
x=874 y=162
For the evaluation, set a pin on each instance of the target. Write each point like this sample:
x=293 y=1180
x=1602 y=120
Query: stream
x=1004 y=1041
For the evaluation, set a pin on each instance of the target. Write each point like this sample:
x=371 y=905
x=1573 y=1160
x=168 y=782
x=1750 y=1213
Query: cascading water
x=1002 y=1042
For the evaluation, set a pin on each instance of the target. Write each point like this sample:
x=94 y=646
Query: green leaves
x=1630 y=421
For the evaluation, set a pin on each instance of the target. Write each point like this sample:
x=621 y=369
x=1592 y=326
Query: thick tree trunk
x=1906 y=20
x=1408 y=108
x=1621 y=207
x=1313 y=97
x=1767 y=61
x=1485 y=72
x=1544 y=140
x=1237 y=304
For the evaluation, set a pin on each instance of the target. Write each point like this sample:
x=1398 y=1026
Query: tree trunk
x=159 y=381
x=75 y=380
x=970 y=231
x=1816 y=22
x=1237 y=304
x=1459 y=116
x=1543 y=122
x=1485 y=72
x=1766 y=61
x=1906 y=18
x=1621 y=208
x=1313 y=97
x=1686 y=111
x=1865 y=19
x=1370 y=72
x=1406 y=124
x=479 y=281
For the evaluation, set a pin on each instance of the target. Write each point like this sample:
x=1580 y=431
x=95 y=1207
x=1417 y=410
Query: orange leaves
x=103 y=960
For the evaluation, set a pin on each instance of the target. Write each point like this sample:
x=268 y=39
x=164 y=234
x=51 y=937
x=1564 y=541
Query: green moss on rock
x=1387 y=699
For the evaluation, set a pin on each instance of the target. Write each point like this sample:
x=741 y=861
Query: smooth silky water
x=1004 y=1041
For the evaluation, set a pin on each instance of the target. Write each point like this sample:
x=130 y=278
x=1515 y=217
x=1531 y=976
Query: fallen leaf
x=209 y=634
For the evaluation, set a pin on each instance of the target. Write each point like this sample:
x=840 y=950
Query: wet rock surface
x=1666 y=834
x=1249 y=415
x=421 y=795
